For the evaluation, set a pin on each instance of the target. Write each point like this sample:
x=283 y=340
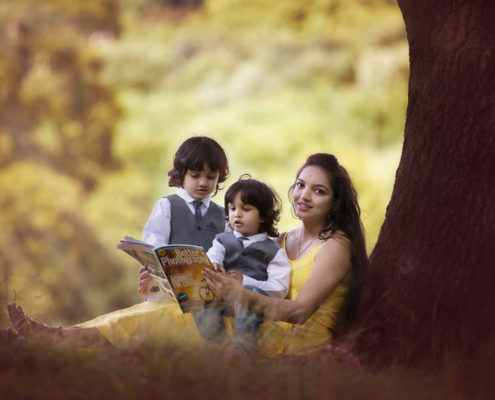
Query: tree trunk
x=433 y=267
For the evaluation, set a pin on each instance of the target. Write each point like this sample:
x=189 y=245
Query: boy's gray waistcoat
x=185 y=230
x=253 y=260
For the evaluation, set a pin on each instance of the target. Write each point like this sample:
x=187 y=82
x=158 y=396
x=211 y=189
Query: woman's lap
x=164 y=323
x=147 y=322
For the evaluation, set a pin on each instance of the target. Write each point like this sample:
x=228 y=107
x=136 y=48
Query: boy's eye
x=194 y=176
x=212 y=178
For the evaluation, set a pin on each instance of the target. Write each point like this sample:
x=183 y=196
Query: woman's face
x=312 y=195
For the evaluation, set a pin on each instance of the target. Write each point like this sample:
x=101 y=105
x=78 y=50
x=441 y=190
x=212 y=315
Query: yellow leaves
x=6 y=145
x=33 y=188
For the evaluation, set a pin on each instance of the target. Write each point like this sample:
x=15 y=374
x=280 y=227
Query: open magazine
x=176 y=272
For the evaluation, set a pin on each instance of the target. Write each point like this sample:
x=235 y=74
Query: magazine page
x=183 y=265
x=159 y=288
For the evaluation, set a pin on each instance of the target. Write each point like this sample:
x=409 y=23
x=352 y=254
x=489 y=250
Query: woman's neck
x=310 y=229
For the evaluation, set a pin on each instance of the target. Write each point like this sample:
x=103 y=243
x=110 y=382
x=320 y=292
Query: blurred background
x=96 y=96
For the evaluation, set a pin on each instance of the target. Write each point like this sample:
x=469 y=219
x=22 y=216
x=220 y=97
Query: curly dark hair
x=259 y=195
x=193 y=154
x=344 y=217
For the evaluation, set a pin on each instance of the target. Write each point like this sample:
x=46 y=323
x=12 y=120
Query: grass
x=29 y=370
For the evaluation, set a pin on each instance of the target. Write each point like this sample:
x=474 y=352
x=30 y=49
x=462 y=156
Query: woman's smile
x=303 y=206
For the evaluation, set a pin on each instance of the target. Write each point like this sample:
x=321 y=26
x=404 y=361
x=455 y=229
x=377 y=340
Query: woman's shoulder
x=339 y=237
x=336 y=245
x=280 y=238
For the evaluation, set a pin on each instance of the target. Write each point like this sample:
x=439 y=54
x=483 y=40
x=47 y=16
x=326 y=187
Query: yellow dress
x=152 y=322
x=282 y=338
x=148 y=322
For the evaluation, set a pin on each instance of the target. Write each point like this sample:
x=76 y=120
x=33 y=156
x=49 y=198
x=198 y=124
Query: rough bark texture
x=433 y=268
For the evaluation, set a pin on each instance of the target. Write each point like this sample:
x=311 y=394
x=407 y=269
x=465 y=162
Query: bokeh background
x=96 y=96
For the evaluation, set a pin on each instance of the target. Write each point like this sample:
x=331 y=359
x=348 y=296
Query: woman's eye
x=299 y=184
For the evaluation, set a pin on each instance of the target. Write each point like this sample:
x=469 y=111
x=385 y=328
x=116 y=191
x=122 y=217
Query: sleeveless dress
x=152 y=322
x=283 y=338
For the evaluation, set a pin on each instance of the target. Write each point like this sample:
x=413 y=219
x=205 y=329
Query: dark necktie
x=241 y=239
x=197 y=210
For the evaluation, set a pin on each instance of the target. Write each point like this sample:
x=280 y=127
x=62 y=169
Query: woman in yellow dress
x=327 y=256
x=328 y=259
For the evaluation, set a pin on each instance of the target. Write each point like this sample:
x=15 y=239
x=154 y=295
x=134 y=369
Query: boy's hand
x=143 y=282
x=218 y=267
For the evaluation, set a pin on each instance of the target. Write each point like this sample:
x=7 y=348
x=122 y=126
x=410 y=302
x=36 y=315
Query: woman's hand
x=218 y=267
x=144 y=279
x=235 y=275
x=225 y=286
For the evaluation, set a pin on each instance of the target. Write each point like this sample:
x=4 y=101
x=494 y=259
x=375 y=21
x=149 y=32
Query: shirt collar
x=182 y=193
x=255 y=238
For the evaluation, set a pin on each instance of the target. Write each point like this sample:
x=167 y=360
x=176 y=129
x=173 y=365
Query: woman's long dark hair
x=344 y=217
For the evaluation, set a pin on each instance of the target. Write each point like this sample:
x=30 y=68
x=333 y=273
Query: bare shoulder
x=280 y=237
x=340 y=238
x=335 y=251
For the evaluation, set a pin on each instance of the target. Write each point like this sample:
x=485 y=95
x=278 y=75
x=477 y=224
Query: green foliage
x=49 y=251
x=96 y=99
x=56 y=139
x=55 y=109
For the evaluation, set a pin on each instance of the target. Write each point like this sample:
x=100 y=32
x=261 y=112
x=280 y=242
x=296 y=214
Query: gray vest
x=185 y=230
x=253 y=260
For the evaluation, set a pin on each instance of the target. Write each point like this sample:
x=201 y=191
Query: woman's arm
x=332 y=264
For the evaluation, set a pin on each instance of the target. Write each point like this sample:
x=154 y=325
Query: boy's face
x=200 y=184
x=244 y=218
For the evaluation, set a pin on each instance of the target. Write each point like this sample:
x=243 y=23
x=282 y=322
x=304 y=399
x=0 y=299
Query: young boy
x=189 y=216
x=253 y=210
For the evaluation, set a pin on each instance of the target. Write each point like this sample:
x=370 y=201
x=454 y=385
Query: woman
x=328 y=258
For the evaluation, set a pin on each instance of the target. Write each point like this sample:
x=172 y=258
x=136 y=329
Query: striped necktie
x=197 y=210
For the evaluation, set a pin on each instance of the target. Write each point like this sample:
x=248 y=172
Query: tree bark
x=433 y=267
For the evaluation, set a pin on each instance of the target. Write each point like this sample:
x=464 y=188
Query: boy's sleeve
x=216 y=252
x=277 y=284
x=157 y=230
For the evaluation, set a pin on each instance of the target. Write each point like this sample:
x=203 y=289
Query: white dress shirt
x=157 y=230
x=277 y=284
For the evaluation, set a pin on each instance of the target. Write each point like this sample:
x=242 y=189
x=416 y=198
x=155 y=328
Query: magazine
x=176 y=272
